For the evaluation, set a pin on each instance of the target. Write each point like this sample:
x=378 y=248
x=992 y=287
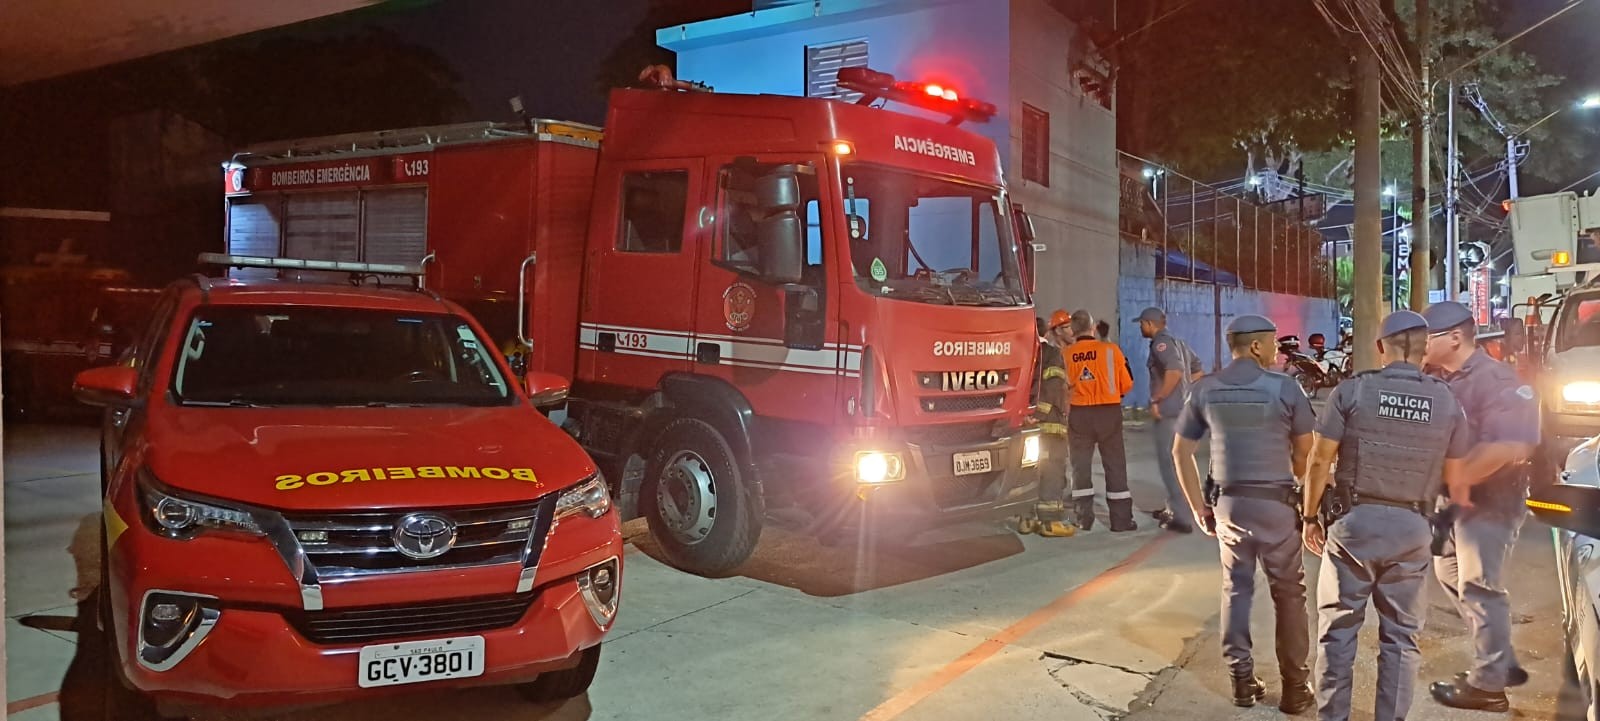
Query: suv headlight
x=1585 y=393
x=176 y=516
x=589 y=498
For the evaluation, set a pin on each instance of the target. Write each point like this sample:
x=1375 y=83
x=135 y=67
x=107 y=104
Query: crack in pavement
x=1156 y=681
x=1104 y=710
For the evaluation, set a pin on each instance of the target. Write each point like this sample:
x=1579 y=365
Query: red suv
x=318 y=493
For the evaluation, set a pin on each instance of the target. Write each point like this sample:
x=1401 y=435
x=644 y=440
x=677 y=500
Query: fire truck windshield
x=920 y=238
x=286 y=355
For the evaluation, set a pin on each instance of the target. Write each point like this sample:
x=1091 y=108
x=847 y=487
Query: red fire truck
x=762 y=301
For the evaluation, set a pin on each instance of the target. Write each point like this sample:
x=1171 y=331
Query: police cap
x=1153 y=315
x=1445 y=316
x=1251 y=324
x=1401 y=321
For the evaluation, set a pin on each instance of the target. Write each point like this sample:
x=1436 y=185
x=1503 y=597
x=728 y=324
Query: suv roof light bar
x=936 y=97
x=255 y=261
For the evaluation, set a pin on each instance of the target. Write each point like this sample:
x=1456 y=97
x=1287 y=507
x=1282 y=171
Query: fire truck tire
x=698 y=504
x=564 y=684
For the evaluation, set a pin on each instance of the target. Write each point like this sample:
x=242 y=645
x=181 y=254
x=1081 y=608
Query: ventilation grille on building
x=822 y=68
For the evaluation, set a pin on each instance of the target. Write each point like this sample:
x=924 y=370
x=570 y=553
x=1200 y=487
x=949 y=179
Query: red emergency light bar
x=937 y=97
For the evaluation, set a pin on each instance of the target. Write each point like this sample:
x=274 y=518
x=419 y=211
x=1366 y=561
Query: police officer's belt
x=1284 y=494
x=1417 y=506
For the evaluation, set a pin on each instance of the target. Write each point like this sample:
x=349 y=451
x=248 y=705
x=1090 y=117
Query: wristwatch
x=1309 y=520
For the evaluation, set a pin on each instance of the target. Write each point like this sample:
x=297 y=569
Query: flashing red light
x=934 y=90
x=932 y=96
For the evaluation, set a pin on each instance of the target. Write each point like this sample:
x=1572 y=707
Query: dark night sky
x=1567 y=47
x=547 y=51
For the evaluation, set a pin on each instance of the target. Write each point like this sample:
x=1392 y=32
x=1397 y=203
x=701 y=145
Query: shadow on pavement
x=862 y=563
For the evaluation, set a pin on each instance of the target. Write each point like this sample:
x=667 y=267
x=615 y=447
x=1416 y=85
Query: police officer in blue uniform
x=1260 y=424
x=1173 y=366
x=1399 y=436
x=1504 y=419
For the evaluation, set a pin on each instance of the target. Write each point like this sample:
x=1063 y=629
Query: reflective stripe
x=1054 y=429
x=1119 y=496
x=1084 y=493
x=1111 y=374
x=1055 y=372
x=1045 y=407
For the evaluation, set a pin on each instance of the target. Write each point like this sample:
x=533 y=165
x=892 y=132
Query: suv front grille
x=380 y=623
x=362 y=543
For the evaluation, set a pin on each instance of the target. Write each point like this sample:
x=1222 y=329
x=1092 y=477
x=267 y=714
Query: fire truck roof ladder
x=356 y=270
x=389 y=141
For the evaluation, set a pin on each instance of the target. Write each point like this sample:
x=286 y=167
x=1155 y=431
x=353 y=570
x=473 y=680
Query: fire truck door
x=639 y=299
x=768 y=339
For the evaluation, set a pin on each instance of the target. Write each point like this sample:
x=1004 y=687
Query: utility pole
x=1422 y=168
x=1369 y=222
x=1452 y=189
x=1511 y=164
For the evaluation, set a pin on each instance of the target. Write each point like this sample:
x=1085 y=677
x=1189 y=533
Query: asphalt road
x=969 y=622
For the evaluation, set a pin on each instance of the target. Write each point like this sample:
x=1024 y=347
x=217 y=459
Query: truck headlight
x=879 y=467
x=588 y=498
x=1581 y=393
x=1031 y=446
x=176 y=516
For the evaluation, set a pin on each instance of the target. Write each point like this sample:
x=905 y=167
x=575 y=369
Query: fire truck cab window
x=739 y=245
x=257 y=356
x=653 y=205
x=930 y=240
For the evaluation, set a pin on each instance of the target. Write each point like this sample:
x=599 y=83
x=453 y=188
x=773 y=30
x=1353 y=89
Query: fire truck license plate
x=974 y=462
x=393 y=664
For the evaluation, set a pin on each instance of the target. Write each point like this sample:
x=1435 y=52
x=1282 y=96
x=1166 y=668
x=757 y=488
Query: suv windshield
x=1579 y=325
x=919 y=238
x=284 y=355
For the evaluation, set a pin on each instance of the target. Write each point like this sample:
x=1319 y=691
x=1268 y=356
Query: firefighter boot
x=1057 y=529
x=1027 y=524
x=1085 y=512
x=1122 y=515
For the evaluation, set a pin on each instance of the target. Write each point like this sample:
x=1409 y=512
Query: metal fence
x=1209 y=235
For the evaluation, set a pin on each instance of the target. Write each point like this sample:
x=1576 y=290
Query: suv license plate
x=393 y=664
x=975 y=462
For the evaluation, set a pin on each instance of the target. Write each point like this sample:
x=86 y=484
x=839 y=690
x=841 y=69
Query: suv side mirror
x=106 y=386
x=546 y=389
x=1574 y=508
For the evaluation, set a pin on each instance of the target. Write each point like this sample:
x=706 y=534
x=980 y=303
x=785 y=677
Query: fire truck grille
x=964 y=490
x=953 y=434
x=381 y=623
x=963 y=404
x=358 y=544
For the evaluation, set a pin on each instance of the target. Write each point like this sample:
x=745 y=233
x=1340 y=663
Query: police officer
x=1049 y=517
x=1260 y=424
x=1097 y=380
x=1396 y=434
x=1172 y=367
x=1504 y=418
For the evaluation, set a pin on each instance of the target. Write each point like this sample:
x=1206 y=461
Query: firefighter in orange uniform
x=1049 y=518
x=1097 y=380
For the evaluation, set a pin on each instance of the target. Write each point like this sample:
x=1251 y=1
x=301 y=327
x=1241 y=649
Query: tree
x=1201 y=86
x=638 y=50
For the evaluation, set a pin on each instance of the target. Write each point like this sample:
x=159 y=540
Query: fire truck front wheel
x=700 y=507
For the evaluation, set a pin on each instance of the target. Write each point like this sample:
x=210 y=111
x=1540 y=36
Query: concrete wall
x=1076 y=215
x=1197 y=312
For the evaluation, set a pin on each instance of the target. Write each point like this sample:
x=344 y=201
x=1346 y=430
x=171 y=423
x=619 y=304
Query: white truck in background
x=1556 y=288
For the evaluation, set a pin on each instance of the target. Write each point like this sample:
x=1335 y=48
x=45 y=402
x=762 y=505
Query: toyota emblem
x=424 y=535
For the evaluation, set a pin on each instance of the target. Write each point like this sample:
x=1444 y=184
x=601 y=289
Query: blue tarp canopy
x=1176 y=264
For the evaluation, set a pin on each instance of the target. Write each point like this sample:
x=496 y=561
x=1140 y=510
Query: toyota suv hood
x=363 y=458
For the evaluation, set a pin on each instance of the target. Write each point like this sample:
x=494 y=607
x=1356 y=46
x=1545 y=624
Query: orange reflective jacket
x=1097 y=373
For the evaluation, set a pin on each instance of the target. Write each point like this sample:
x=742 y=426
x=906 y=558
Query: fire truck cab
x=762 y=301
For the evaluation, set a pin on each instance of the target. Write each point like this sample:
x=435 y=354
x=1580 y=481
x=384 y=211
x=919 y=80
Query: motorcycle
x=1323 y=368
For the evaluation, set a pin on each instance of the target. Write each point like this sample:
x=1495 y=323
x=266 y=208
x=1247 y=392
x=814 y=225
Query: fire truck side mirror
x=782 y=248
x=106 y=386
x=1025 y=240
x=546 y=389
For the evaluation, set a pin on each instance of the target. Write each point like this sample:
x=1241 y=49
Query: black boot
x=1122 y=515
x=1297 y=698
x=1460 y=694
x=1085 y=509
x=1247 y=690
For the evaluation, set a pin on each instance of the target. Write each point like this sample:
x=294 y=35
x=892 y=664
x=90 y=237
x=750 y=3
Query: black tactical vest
x=1249 y=432
x=1394 y=444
